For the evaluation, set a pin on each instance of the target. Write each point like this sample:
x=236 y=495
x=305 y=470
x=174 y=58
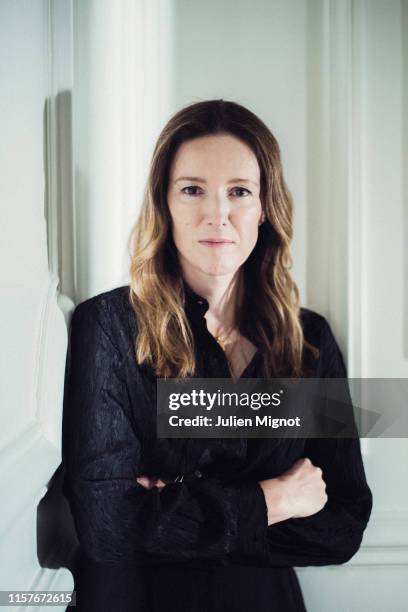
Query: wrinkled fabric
x=202 y=544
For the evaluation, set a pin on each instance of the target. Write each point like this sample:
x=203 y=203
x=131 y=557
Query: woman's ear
x=262 y=218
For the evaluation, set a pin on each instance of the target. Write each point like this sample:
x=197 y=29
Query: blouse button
x=198 y=473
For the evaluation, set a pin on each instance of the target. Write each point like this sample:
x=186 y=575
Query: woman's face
x=213 y=195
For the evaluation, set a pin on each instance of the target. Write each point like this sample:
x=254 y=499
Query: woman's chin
x=219 y=270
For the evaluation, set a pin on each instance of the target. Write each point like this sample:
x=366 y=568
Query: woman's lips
x=216 y=243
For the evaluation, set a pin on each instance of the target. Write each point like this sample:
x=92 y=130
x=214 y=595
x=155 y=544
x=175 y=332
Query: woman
x=203 y=524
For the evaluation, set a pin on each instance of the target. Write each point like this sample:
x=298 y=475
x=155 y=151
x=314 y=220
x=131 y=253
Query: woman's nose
x=217 y=210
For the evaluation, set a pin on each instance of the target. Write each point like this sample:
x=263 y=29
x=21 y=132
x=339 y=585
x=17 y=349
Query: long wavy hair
x=164 y=337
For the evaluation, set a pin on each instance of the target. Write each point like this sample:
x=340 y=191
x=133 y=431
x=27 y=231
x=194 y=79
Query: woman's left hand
x=148 y=482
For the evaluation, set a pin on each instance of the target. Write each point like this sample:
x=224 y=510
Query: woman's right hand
x=298 y=492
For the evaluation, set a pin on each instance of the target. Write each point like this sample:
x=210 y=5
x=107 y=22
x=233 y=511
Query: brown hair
x=164 y=338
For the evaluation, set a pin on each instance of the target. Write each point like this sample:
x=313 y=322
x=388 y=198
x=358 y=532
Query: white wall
x=33 y=330
x=122 y=71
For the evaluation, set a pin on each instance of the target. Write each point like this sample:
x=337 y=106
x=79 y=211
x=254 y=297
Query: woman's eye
x=242 y=191
x=193 y=187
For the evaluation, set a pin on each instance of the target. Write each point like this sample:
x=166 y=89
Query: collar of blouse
x=196 y=306
x=194 y=303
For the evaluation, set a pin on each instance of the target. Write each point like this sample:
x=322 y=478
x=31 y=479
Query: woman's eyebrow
x=201 y=180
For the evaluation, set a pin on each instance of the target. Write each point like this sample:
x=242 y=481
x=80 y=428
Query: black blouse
x=203 y=543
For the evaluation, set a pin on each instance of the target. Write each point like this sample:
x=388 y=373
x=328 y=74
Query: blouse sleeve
x=333 y=534
x=118 y=521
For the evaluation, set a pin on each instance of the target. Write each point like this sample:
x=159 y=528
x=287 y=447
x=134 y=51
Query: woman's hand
x=298 y=492
x=148 y=482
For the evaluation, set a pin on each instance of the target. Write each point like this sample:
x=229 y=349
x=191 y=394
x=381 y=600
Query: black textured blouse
x=202 y=544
